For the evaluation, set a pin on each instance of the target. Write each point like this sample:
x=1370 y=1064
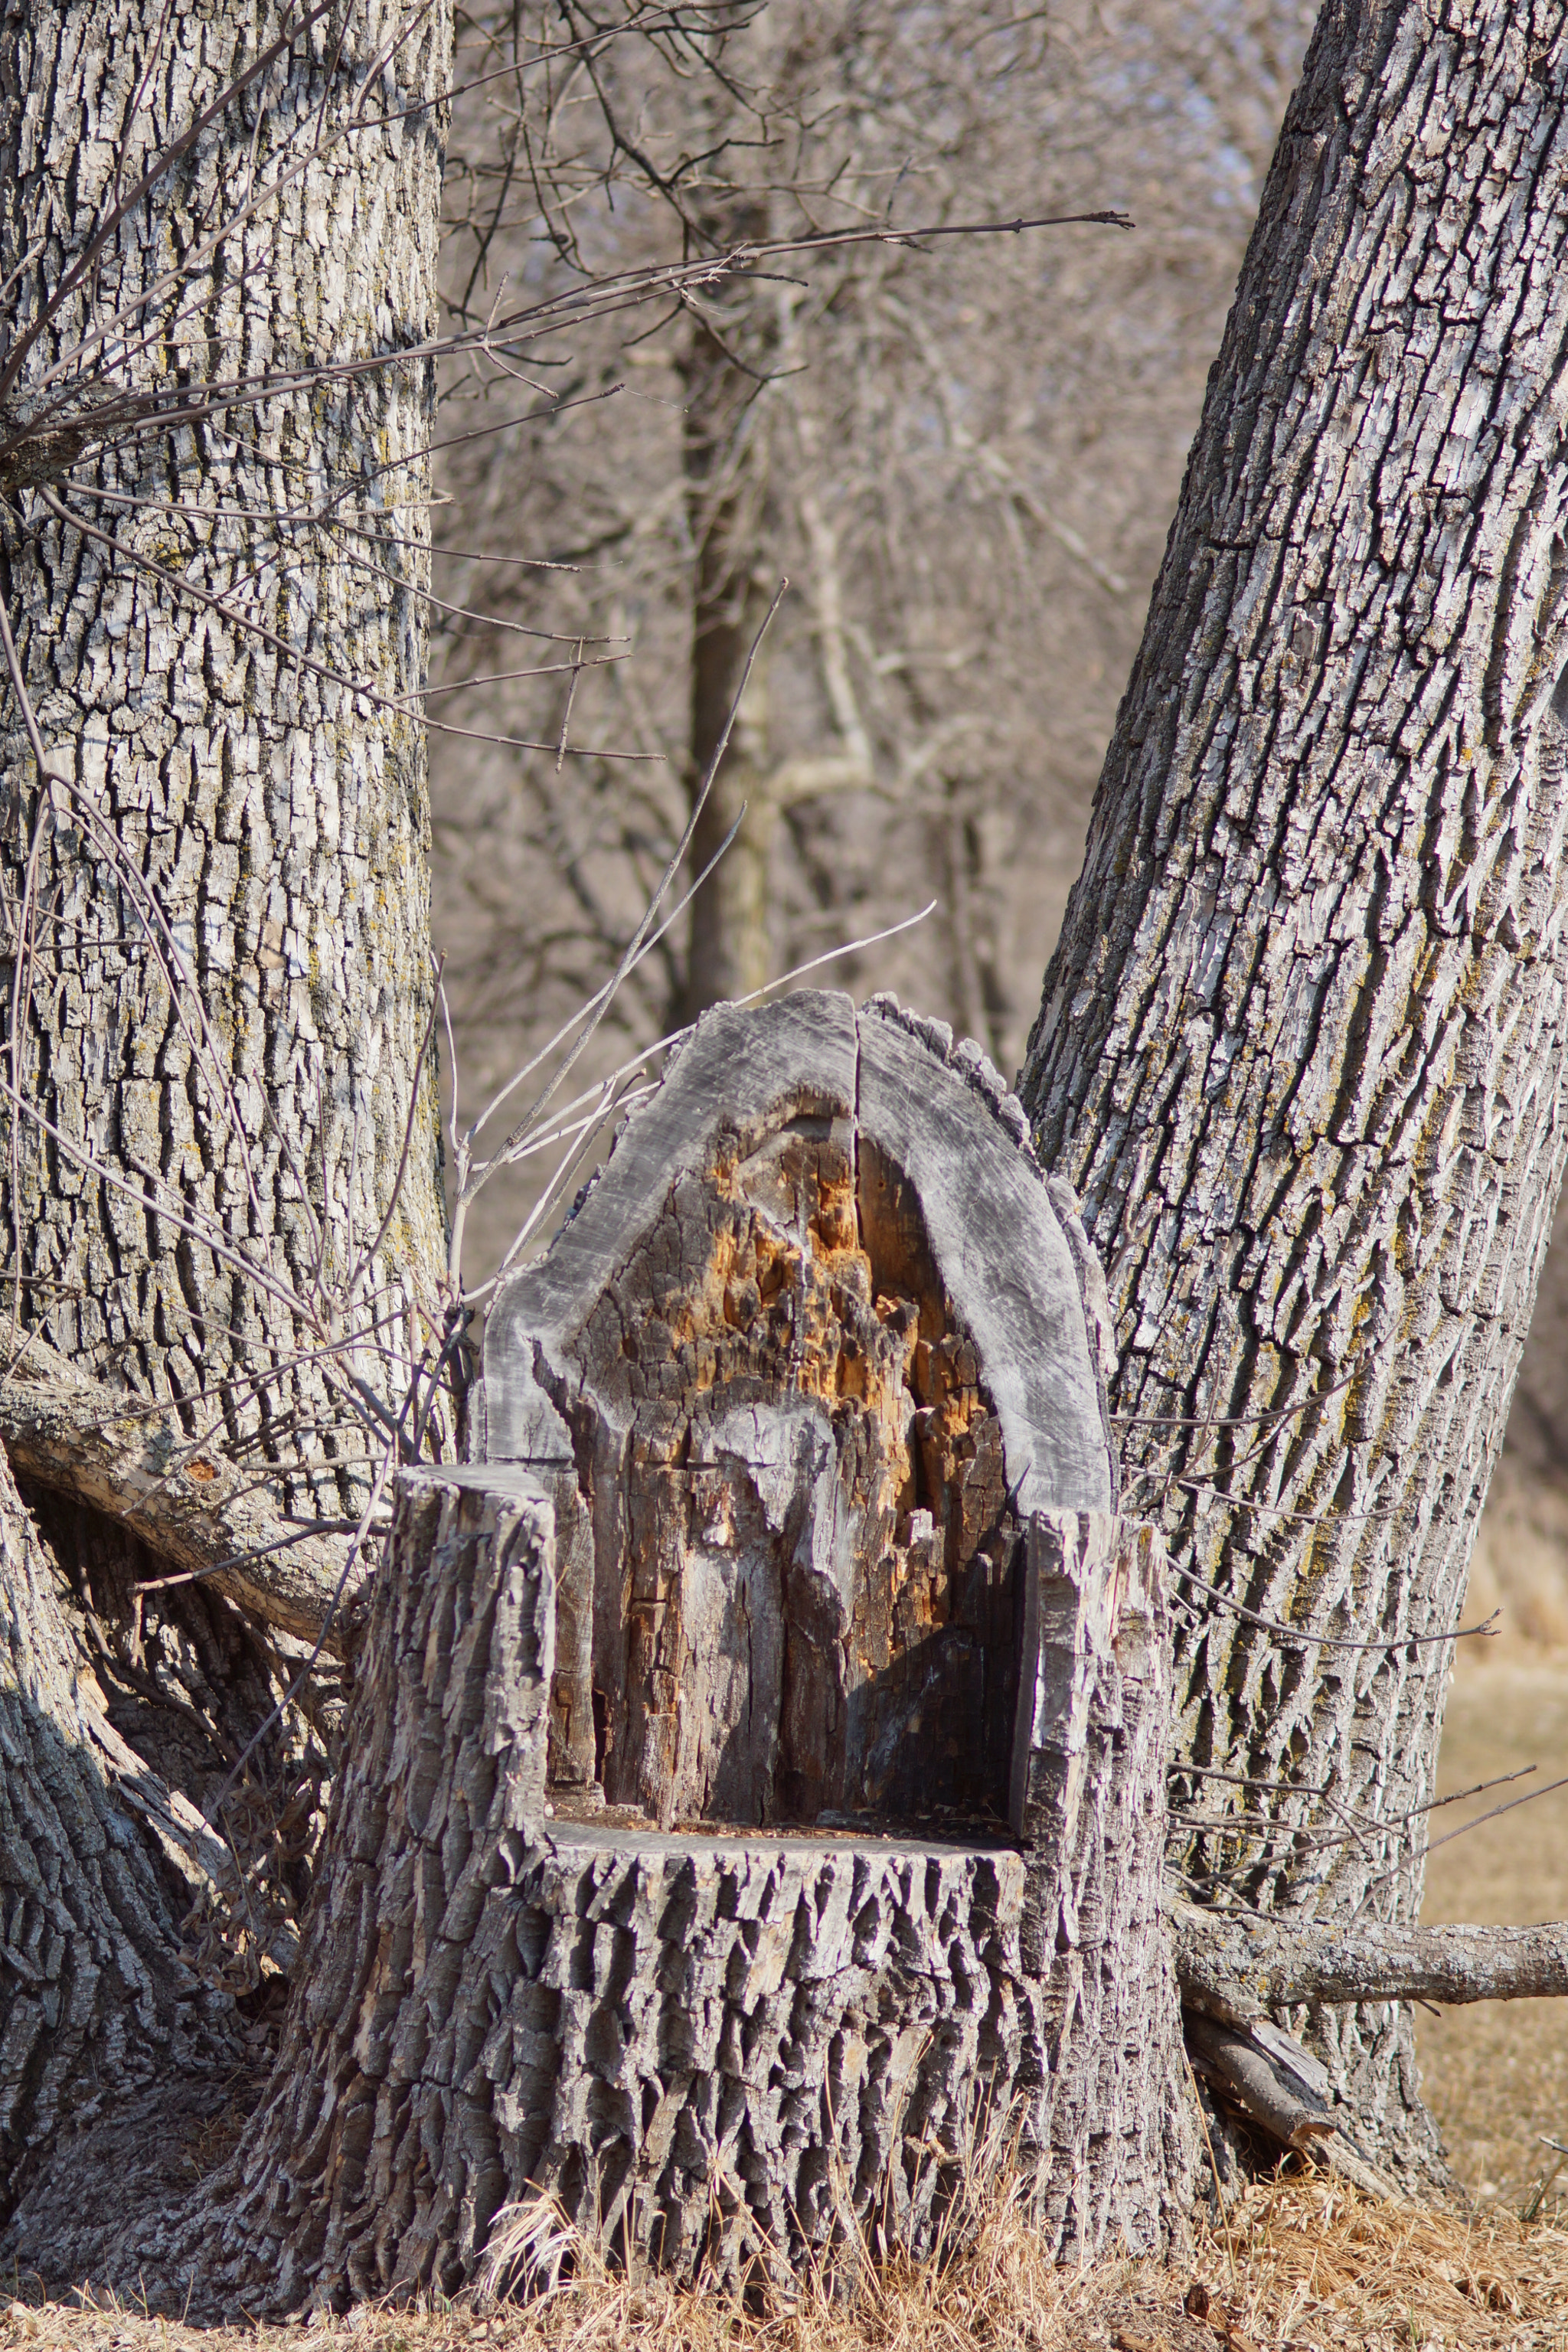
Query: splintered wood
x=819 y=1550
x=795 y=1524
x=734 y=2054
x=788 y=1525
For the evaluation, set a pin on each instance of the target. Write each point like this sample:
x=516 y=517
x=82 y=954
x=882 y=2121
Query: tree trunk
x=222 y=1002
x=100 y=1864
x=723 y=2051
x=729 y=953
x=782 y=1429
x=1301 y=1044
x=221 y=1147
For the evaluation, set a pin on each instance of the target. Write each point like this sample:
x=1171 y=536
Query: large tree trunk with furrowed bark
x=220 y=1009
x=220 y=1212
x=1301 y=1044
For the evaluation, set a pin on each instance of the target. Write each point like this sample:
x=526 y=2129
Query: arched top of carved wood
x=815 y=1343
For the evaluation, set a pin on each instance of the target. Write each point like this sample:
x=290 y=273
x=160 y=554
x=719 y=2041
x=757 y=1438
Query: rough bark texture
x=216 y=980
x=712 y=2049
x=100 y=1863
x=1236 y=1970
x=277 y=818
x=1301 y=1044
x=730 y=2025
x=197 y=1515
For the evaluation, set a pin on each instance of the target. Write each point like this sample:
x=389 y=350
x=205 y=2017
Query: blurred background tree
x=963 y=454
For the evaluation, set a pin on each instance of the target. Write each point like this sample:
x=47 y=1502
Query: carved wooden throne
x=774 y=1718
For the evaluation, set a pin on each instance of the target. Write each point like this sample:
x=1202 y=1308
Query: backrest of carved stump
x=815 y=1343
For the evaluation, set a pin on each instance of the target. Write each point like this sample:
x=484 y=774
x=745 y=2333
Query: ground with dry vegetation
x=1303 y=2265
x=1496 y=2074
x=1300 y=2265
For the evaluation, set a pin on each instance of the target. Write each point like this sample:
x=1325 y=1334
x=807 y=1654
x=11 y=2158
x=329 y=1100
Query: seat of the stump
x=813 y=1347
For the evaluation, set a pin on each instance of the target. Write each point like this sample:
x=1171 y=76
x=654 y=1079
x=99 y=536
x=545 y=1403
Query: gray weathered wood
x=1236 y=1970
x=794 y=1390
x=1286 y=2111
x=196 y=1514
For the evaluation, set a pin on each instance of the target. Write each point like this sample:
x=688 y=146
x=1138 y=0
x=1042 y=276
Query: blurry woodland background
x=962 y=452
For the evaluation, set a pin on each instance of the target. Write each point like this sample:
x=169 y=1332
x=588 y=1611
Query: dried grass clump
x=1303 y=2264
x=1316 y=2262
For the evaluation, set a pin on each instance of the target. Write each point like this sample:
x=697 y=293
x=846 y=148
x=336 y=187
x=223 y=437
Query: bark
x=100 y=1863
x=1300 y=1046
x=220 y=1162
x=1236 y=1970
x=258 y=1081
x=720 y=2051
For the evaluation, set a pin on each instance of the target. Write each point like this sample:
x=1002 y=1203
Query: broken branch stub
x=756 y=1775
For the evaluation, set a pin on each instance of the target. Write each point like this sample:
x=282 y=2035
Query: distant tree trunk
x=729 y=953
x=1301 y=1045
x=217 y=978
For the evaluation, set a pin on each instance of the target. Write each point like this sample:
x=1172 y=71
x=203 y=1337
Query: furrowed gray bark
x=217 y=981
x=1301 y=1044
x=717 y=2050
x=99 y=1864
x=277 y=815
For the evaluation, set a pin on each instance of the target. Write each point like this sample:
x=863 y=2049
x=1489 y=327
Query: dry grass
x=1309 y=2268
x=1496 y=2075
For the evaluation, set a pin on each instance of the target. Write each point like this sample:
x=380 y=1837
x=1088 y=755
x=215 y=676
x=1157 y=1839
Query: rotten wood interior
x=805 y=1597
x=818 y=1341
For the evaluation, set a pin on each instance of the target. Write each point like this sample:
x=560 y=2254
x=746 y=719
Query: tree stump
x=755 y=1787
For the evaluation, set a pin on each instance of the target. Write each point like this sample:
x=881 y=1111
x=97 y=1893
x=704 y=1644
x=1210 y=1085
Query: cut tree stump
x=755 y=1790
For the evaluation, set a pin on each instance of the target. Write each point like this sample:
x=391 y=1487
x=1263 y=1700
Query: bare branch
x=1237 y=1970
x=70 y=1433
